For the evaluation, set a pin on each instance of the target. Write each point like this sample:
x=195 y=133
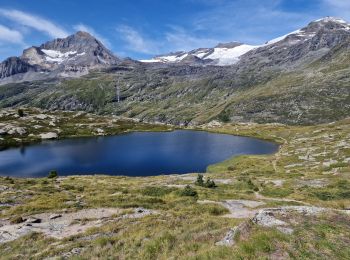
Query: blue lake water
x=133 y=154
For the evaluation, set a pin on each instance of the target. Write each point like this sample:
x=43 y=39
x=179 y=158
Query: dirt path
x=238 y=208
x=261 y=197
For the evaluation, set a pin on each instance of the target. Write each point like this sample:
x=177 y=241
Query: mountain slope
x=300 y=78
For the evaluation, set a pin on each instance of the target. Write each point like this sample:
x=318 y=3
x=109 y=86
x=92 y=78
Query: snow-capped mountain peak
x=230 y=53
x=221 y=55
x=331 y=19
x=78 y=50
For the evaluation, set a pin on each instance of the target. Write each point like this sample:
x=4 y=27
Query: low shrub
x=217 y=210
x=200 y=180
x=52 y=174
x=188 y=191
x=156 y=191
x=210 y=183
x=20 y=112
x=207 y=184
x=16 y=220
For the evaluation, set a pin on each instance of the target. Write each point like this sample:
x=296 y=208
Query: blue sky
x=144 y=28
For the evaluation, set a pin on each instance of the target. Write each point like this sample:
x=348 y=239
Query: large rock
x=12 y=130
x=50 y=135
x=17 y=131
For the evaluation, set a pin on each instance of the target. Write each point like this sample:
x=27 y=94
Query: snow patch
x=223 y=56
x=169 y=58
x=331 y=19
x=57 y=56
x=229 y=56
x=281 y=38
x=201 y=54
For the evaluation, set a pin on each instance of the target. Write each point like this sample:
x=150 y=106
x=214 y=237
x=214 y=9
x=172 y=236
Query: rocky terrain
x=26 y=126
x=299 y=78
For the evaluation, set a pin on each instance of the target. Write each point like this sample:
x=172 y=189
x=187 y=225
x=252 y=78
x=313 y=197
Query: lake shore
x=310 y=171
x=36 y=125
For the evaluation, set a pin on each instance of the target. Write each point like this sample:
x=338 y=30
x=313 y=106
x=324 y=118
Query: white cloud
x=136 y=42
x=35 y=22
x=10 y=36
x=85 y=28
x=176 y=39
x=338 y=8
x=179 y=39
x=338 y=3
x=250 y=21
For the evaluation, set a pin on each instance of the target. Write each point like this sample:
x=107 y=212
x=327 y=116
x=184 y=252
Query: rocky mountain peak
x=83 y=34
x=73 y=56
x=331 y=19
x=80 y=49
x=327 y=23
x=228 y=45
x=79 y=42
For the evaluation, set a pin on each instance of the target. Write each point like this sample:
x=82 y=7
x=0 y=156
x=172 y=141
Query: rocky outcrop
x=12 y=130
x=48 y=136
x=14 y=65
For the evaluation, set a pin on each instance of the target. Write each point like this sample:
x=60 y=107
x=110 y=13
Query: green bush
x=188 y=191
x=156 y=191
x=9 y=179
x=224 y=116
x=324 y=195
x=231 y=168
x=20 y=112
x=52 y=174
x=200 y=180
x=207 y=184
x=210 y=183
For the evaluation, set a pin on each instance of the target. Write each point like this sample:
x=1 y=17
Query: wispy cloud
x=35 y=22
x=338 y=3
x=251 y=21
x=175 y=39
x=339 y=8
x=135 y=41
x=86 y=28
x=180 y=39
x=10 y=36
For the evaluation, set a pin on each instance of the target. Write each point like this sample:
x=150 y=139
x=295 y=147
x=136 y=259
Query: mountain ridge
x=301 y=78
x=235 y=50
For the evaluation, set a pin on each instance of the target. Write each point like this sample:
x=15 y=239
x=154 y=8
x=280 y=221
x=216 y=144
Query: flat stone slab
x=64 y=225
x=48 y=136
